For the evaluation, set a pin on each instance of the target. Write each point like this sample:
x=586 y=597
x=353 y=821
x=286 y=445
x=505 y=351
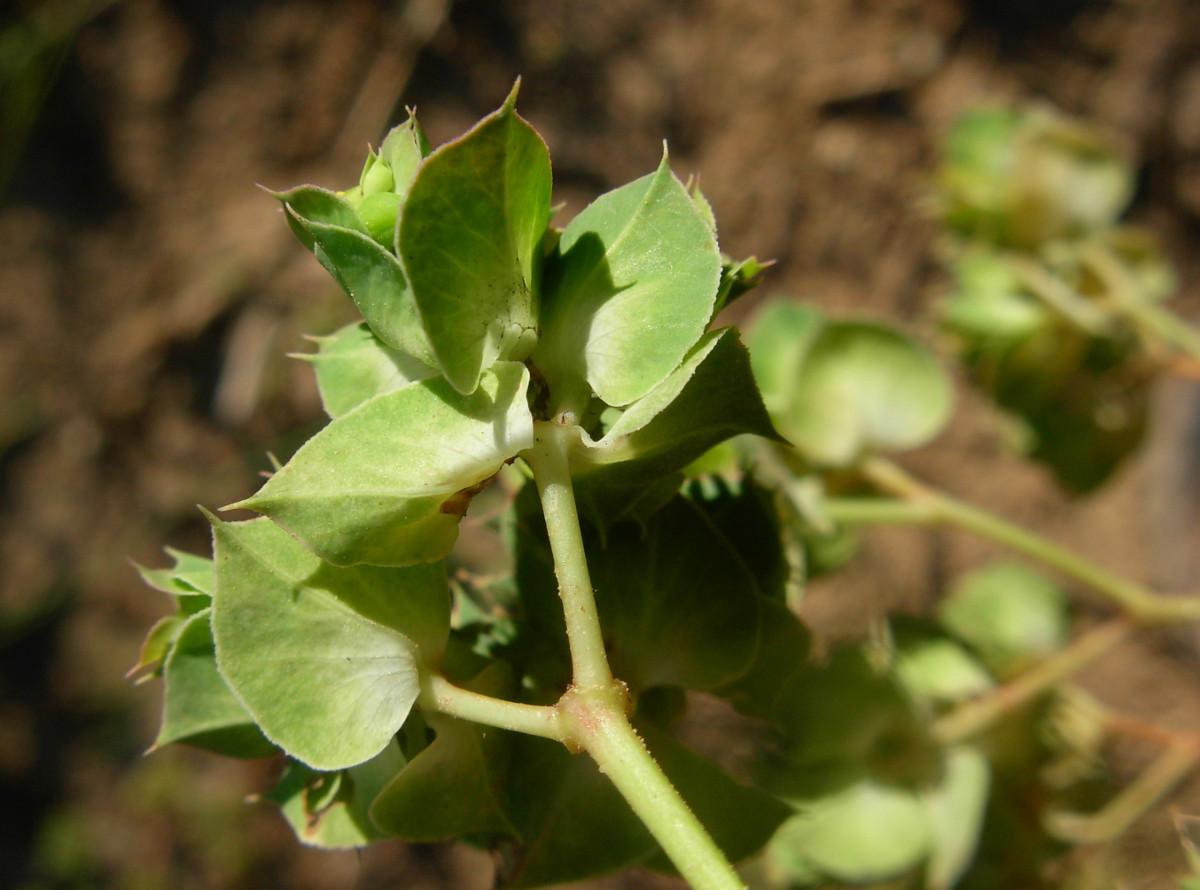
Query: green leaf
x=629 y=292
x=955 y=808
x=470 y=237
x=352 y=365
x=779 y=341
x=707 y=399
x=572 y=822
x=324 y=658
x=403 y=149
x=1008 y=613
x=199 y=709
x=739 y=819
x=941 y=671
x=865 y=833
x=374 y=279
x=305 y=205
x=783 y=651
x=157 y=645
x=387 y=483
x=190 y=575
x=452 y=788
x=862 y=387
x=330 y=810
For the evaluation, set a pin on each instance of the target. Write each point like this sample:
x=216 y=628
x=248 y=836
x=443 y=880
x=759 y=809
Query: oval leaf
x=470 y=236
x=633 y=286
x=324 y=658
x=352 y=365
x=387 y=483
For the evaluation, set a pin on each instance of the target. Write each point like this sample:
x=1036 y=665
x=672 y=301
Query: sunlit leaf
x=628 y=293
x=387 y=483
x=324 y=658
x=955 y=808
x=352 y=365
x=471 y=237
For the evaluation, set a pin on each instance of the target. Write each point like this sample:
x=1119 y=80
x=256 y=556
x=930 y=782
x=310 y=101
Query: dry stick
x=978 y=714
x=923 y=505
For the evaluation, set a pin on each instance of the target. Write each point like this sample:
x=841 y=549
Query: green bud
x=376 y=177
x=379 y=212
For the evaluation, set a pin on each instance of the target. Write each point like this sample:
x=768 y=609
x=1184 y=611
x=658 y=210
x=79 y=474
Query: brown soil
x=148 y=293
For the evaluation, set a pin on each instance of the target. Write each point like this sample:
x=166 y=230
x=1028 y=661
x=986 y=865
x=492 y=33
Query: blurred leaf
x=1008 y=613
x=352 y=365
x=865 y=833
x=470 y=239
x=199 y=709
x=629 y=293
x=955 y=808
x=940 y=671
x=324 y=658
x=387 y=483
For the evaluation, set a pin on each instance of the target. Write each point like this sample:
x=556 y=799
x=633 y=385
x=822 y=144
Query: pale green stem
x=439 y=694
x=1155 y=321
x=1171 y=768
x=973 y=717
x=601 y=728
x=1057 y=294
x=923 y=505
x=594 y=711
x=548 y=458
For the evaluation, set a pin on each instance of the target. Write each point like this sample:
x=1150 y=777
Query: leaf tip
x=510 y=103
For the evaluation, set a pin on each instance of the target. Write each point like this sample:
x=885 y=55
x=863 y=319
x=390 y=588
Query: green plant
x=563 y=392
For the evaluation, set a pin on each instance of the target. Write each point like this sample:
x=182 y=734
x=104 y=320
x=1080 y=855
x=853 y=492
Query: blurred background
x=149 y=293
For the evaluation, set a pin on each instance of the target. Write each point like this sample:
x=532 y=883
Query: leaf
x=955 y=808
x=190 y=575
x=387 y=483
x=403 y=149
x=779 y=341
x=330 y=810
x=677 y=605
x=868 y=832
x=470 y=238
x=199 y=709
x=783 y=650
x=739 y=819
x=452 y=788
x=352 y=365
x=940 y=671
x=1008 y=613
x=711 y=397
x=324 y=658
x=629 y=292
x=863 y=387
x=572 y=822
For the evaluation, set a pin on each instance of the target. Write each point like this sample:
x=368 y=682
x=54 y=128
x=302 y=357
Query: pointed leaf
x=387 y=483
x=342 y=821
x=324 y=658
x=199 y=708
x=452 y=788
x=470 y=237
x=402 y=150
x=633 y=287
x=191 y=575
x=709 y=398
x=352 y=365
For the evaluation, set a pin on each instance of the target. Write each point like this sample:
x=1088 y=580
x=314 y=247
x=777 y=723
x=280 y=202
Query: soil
x=149 y=293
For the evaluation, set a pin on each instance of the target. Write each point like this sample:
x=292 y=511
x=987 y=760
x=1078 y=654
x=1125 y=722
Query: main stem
x=593 y=711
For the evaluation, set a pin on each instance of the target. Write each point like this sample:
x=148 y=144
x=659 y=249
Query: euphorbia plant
x=326 y=629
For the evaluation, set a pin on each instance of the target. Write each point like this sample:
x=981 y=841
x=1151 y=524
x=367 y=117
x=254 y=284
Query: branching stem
x=439 y=694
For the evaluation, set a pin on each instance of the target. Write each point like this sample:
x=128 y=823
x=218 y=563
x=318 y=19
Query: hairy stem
x=601 y=728
x=548 y=458
x=975 y=716
x=439 y=694
x=593 y=713
x=922 y=505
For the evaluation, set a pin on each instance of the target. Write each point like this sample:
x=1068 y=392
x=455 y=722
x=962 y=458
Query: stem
x=439 y=694
x=923 y=505
x=1171 y=768
x=593 y=713
x=548 y=458
x=975 y=716
x=601 y=728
